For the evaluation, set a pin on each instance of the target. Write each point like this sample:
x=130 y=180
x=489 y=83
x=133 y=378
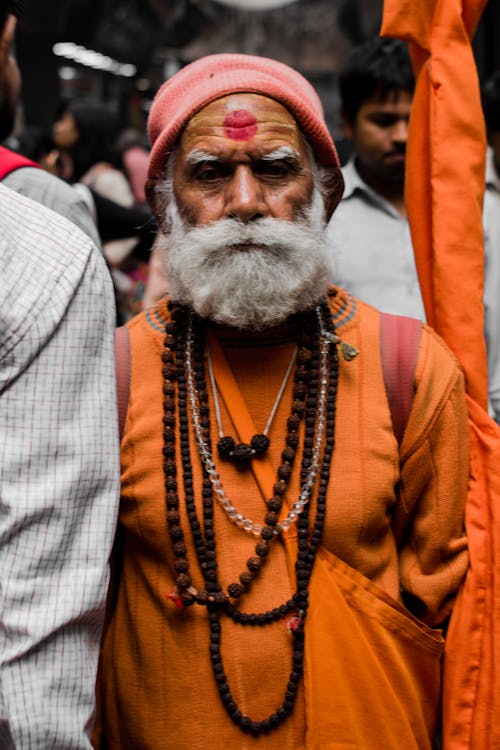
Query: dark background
x=159 y=36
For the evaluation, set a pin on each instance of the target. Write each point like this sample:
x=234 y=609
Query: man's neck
x=286 y=331
x=391 y=190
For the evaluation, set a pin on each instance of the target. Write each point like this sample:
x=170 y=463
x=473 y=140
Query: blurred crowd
x=104 y=161
x=106 y=165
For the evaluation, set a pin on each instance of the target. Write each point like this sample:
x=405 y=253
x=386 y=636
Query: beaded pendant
x=243 y=452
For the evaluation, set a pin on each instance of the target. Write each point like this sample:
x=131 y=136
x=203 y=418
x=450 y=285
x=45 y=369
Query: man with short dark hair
x=58 y=462
x=283 y=565
x=369 y=238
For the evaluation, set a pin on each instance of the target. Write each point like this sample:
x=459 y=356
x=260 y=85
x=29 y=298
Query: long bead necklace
x=197 y=393
x=284 y=471
x=204 y=541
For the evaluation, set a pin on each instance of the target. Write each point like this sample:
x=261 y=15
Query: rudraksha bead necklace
x=242 y=453
x=175 y=369
x=288 y=454
x=190 y=372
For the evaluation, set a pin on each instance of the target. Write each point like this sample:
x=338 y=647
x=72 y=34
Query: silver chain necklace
x=206 y=455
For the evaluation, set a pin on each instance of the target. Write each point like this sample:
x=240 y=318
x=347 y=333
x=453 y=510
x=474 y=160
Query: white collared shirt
x=371 y=250
x=372 y=256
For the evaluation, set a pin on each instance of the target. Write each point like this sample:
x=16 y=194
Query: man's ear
x=333 y=188
x=6 y=39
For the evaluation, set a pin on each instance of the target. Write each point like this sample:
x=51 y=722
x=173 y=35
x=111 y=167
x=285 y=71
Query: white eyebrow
x=198 y=157
x=283 y=152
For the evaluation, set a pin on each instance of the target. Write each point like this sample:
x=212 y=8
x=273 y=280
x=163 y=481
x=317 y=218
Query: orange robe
x=371 y=669
x=444 y=195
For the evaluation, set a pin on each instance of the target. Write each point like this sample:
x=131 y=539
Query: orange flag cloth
x=444 y=192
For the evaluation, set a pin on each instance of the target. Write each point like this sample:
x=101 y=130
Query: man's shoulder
x=352 y=181
x=53 y=193
x=46 y=263
x=147 y=329
x=43 y=255
x=349 y=311
x=25 y=219
x=358 y=208
x=40 y=186
x=492 y=176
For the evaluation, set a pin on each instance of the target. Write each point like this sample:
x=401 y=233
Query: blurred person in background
x=369 y=237
x=490 y=96
x=134 y=156
x=86 y=139
x=25 y=177
x=59 y=473
x=102 y=219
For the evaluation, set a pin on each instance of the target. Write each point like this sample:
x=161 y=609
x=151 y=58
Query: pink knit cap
x=215 y=76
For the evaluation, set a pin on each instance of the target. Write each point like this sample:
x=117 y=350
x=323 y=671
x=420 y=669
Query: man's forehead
x=241 y=119
x=392 y=98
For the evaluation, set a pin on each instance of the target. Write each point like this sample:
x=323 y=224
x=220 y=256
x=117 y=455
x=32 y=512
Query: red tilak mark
x=240 y=125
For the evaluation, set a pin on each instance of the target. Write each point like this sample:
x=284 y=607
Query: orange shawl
x=372 y=671
x=445 y=187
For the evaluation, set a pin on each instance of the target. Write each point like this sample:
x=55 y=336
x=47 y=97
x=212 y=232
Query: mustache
x=265 y=231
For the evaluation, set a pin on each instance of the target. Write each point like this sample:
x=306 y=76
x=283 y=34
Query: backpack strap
x=122 y=366
x=10 y=161
x=399 y=342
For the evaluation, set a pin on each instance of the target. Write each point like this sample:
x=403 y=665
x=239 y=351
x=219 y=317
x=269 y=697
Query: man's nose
x=245 y=198
x=400 y=131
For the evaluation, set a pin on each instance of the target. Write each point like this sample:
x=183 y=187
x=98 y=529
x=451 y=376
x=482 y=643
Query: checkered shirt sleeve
x=59 y=474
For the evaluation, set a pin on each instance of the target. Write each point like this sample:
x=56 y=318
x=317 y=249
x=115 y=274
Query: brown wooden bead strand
x=303 y=568
x=254 y=565
x=305 y=395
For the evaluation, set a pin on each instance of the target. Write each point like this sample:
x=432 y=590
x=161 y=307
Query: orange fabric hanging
x=444 y=192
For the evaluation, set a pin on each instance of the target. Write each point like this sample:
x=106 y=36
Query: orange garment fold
x=444 y=193
x=445 y=173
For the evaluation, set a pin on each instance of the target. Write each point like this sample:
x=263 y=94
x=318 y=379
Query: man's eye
x=384 y=121
x=208 y=172
x=274 y=168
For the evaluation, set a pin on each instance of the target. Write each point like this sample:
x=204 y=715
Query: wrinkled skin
x=221 y=170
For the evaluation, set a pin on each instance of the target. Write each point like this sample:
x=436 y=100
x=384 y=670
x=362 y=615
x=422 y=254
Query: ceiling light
x=92 y=59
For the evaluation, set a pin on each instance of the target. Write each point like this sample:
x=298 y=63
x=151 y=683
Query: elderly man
x=283 y=565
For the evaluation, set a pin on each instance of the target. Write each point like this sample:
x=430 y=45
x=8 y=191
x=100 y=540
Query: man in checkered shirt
x=59 y=473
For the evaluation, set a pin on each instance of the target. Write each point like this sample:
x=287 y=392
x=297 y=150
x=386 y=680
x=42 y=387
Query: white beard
x=284 y=271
